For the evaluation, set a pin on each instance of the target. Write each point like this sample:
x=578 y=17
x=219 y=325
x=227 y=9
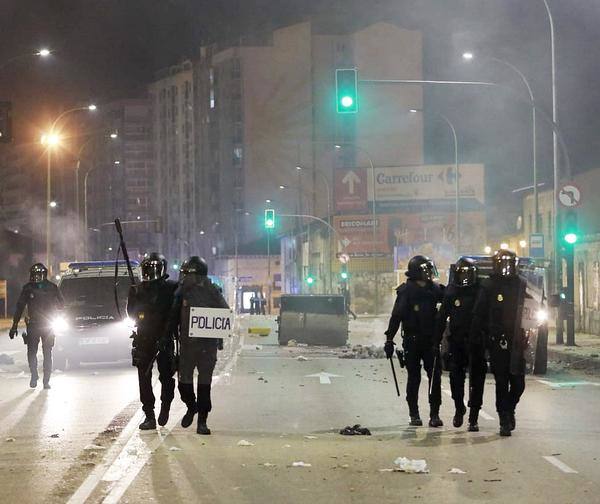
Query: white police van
x=91 y=328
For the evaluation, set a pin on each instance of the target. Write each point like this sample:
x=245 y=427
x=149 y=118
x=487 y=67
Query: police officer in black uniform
x=497 y=325
x=149 y=305
x=42 y=300
x=416 y=308
x=456 y=316
x=196 y=290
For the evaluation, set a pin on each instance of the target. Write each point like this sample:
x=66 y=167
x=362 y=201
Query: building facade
x=177 y=178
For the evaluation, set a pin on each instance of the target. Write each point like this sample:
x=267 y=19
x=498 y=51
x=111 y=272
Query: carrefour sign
x=428 y=182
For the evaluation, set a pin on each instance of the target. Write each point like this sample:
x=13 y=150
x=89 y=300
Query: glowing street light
x=504 y=246
x=43 y=52
x=522 y=243
x=50 y=139
x=487 y=249
x=114 y=135
x=468 y=56
x=53 y=204
x=92 y=108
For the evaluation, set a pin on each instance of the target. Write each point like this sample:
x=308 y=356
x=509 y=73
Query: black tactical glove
x=389 y=348
x=13 y=332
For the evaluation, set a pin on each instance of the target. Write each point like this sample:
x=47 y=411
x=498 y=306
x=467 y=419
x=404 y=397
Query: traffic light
x=346 y=91
x=269 y=218
x=570 y=231
x=5 y=122
x=344 y=273
x=310 y=280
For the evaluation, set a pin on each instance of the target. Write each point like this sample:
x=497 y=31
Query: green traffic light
x=269 y=218
x=344 y=275
x=571 y=238
x=347 y=101
x=310 y=280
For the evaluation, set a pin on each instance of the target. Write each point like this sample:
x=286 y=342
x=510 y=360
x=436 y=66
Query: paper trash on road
x=94 y=447
x=301 y=358
x=311 y=437
x=175 y=448
x=456 y=470
x=243 y=442
x=9 y=439
x=292 y=343
x=406 y=465
x=268 y=464
x=301 y=464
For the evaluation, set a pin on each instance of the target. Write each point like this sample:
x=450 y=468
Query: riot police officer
x=416 y=308
x=42 y=300
x=456 y=316
x=497 y=324
x=196 y=290
x=149 y=305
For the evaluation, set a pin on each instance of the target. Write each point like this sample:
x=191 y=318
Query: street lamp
x=51 y=140
x=43 y=52
x=468 y=56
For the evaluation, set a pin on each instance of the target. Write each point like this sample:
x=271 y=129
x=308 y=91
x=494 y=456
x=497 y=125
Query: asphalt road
x=79 y=441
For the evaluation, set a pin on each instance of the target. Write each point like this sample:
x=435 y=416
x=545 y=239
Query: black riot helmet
x=505 y=263
x=463 y=273
x=421 y=268
x=154 y=267
x=194 y=266
x=38 y=273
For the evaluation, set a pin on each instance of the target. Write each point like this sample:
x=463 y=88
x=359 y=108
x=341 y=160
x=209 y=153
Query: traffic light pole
x=570 y=295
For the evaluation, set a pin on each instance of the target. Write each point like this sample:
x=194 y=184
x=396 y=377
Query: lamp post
x=469 y=56
x=51 y=140
x=41 y=53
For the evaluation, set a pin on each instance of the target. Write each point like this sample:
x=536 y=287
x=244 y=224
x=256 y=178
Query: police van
x=91 y=328
x=534 y=319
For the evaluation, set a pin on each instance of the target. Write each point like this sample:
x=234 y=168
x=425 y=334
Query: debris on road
x=92 y=447
x=243 y=442
x=175 y=448
x=492 y=480
x=355 y=430
x=301 y=464
x=292 y=343
x=456 y=470
x=268 y=464
x=287 y=446
x=6 y=359
x=10 y=439
x=311 y=437
x=364 y=352
x=411 y=465
x=53 y=435
x=301 y=358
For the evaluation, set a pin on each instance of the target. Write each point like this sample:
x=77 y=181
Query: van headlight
x=541 y=316
x=129 y=324
x=59 y=324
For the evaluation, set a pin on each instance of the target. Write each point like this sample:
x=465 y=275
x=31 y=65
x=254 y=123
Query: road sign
x=351 y=189
x=210 y=322
x=569 y=195
x=363 y=235
x=536 y=245
x=324 y=378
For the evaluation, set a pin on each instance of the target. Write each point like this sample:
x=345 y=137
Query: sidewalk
x=585 y=355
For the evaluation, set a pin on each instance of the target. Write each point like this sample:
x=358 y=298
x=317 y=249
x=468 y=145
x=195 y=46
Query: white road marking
x=130 y=453
x=568 y=384
x=324 y=378
x=560 y=465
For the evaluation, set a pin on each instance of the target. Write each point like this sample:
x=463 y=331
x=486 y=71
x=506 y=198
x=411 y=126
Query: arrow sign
x=351 y=179
x=324 y=378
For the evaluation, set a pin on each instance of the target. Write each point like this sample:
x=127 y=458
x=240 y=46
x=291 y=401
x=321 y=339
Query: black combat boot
x=415 y=418
x=163 y=416
x=473 y=418
x=202 y=427
x=33 y=381
x=435 y=420
x=47 y=385
x=504 y=424
x=188 y=418
x=459 y=414
x=149 y=423
x=512 y=420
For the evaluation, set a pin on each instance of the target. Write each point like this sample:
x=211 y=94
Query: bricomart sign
x=428 y=182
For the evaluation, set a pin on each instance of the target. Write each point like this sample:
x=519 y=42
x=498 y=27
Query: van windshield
x=94 y=291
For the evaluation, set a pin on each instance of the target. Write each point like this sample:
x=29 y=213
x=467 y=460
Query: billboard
x=427 y=182
x=363 y=235
x=350 y=190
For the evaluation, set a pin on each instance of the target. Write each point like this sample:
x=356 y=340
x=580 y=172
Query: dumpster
x=313 y=319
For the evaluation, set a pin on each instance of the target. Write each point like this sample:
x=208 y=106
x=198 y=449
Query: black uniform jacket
x=149 y=305
x=456 y=314
x=42 y=300
x=416 y=309
x=197 y=291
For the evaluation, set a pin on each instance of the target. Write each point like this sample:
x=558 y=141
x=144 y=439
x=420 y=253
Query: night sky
x=108 y=49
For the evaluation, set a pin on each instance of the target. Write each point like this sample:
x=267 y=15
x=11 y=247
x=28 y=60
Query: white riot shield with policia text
x=210 y=322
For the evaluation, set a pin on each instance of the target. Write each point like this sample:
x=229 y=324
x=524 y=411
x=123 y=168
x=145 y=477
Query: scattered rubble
x=92 y=447
x=243 y=442
x=292 y=343
x=355 y=430
x=406 y=465
x=175 y=448
x=456 y=470
x=301 y=464
x=10 y=439
x=301 y=358
x=311 y=437
x=364 y=352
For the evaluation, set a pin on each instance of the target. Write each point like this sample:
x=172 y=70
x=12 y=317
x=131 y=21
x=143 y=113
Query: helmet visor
x=464 y=276
x=38 y=274
x=152 y=270
x=505 y=265
x=429 y=271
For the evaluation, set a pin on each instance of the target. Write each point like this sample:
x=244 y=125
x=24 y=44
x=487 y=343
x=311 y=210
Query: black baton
x=394 y=374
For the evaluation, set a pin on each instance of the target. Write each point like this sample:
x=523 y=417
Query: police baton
x=394 y=374
x=435 y=357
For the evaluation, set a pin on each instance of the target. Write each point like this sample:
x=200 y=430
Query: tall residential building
x=176 y=177
x=263 y=110
x=121 y=180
